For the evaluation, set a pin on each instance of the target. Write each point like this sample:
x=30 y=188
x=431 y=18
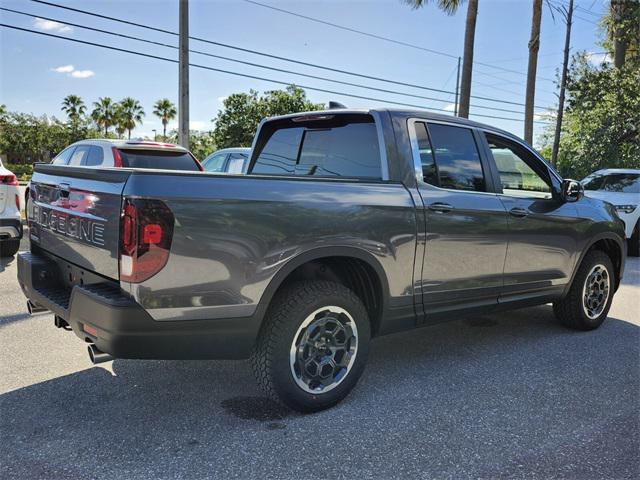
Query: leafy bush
x=23 y=172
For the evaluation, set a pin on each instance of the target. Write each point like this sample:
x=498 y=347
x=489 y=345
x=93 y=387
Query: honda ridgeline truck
x=350 y=224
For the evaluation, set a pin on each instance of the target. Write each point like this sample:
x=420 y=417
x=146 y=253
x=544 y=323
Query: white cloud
x=82 y=73
x=598 y=58
x=51 y=26
x=451 y=107
x=71 y=71
x=64 y=69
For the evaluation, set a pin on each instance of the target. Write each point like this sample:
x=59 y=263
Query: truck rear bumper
x=101 y=313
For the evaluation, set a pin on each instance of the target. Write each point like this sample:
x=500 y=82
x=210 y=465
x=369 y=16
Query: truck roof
x=404 y=112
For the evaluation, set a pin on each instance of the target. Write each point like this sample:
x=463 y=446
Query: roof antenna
x=335 y=105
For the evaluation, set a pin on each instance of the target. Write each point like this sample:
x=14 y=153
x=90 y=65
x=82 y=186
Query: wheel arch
x=350 y=266
x=613 y=246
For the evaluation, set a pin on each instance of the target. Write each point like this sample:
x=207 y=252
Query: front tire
x=589 y=299
x=634 y=242
x=8 y=248
x=313 y=346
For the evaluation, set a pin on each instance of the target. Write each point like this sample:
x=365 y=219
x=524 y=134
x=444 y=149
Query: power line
x=205 y=67
x=386 y=39
x=315 y=77
x=268 y=55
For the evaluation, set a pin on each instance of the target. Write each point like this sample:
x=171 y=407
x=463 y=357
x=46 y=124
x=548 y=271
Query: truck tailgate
x=74 y=213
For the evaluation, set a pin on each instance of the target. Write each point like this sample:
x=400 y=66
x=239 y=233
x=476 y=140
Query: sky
x=37 y=72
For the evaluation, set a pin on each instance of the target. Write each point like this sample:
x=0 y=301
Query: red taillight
x=117 y=158
x=10 y=179
x=146 y=230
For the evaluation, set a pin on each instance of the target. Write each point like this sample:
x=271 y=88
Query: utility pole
x=455 y=109
x=467 y=63
x=563 y=84
x=183 y=77
x=534 y=46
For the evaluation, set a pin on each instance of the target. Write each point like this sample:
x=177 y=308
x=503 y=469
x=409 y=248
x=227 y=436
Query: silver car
x=228 y=160
x=127 y=153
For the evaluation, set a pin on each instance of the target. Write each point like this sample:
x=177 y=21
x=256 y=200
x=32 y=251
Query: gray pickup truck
x=350 y=224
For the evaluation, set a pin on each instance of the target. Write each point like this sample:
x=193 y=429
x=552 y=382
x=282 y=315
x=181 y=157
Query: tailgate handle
x=64 y=189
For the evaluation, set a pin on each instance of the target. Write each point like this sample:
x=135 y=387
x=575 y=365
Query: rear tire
x=634 y=242
x=589 y=299
x=8 y=248
x=313 y=345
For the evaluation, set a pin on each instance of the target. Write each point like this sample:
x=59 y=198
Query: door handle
x=440 y=207
x=519 y=212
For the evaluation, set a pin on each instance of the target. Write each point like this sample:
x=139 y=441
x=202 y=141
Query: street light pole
x=183 y=77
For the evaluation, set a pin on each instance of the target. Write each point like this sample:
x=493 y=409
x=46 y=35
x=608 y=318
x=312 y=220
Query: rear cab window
x=161 y=159
x=340 y=145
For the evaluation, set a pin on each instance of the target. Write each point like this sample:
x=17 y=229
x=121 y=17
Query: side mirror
x=572 y=190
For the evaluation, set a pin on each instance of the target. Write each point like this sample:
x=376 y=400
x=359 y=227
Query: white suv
x=127 y=153
x=621 y=187
x=10 y=223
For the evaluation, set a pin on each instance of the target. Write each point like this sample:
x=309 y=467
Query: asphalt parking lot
x=500 y=396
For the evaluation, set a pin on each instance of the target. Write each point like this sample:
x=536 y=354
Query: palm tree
x=534 y=46
x=132 y=113
x=165 y=110
x=103 y=113
x=450 y=7
x=119 y=121
x=75 y=109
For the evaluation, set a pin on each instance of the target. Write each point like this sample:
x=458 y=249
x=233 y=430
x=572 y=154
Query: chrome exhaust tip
x=96 y=356
x=33 y=308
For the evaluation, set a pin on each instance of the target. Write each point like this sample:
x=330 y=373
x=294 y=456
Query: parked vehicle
x=621 y=187
x=10 y=221
x=350 y=224
x=127 y=153
x=228 y=160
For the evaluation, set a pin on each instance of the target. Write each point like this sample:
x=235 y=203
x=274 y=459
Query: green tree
x=26 y=139
x=450 y=7
x=166 y=111
x=622 y=24
x=103 y=113
x=131 y=112
x=601 y=126
x=236 y=123
x=75 y=109
x=119 y=120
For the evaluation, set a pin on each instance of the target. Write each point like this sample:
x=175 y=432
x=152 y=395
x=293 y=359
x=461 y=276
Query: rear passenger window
x=95 y=157
x=79 y=156
x=457 y=158
x=344 y=146
x=63 y=157
x=237 y=163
